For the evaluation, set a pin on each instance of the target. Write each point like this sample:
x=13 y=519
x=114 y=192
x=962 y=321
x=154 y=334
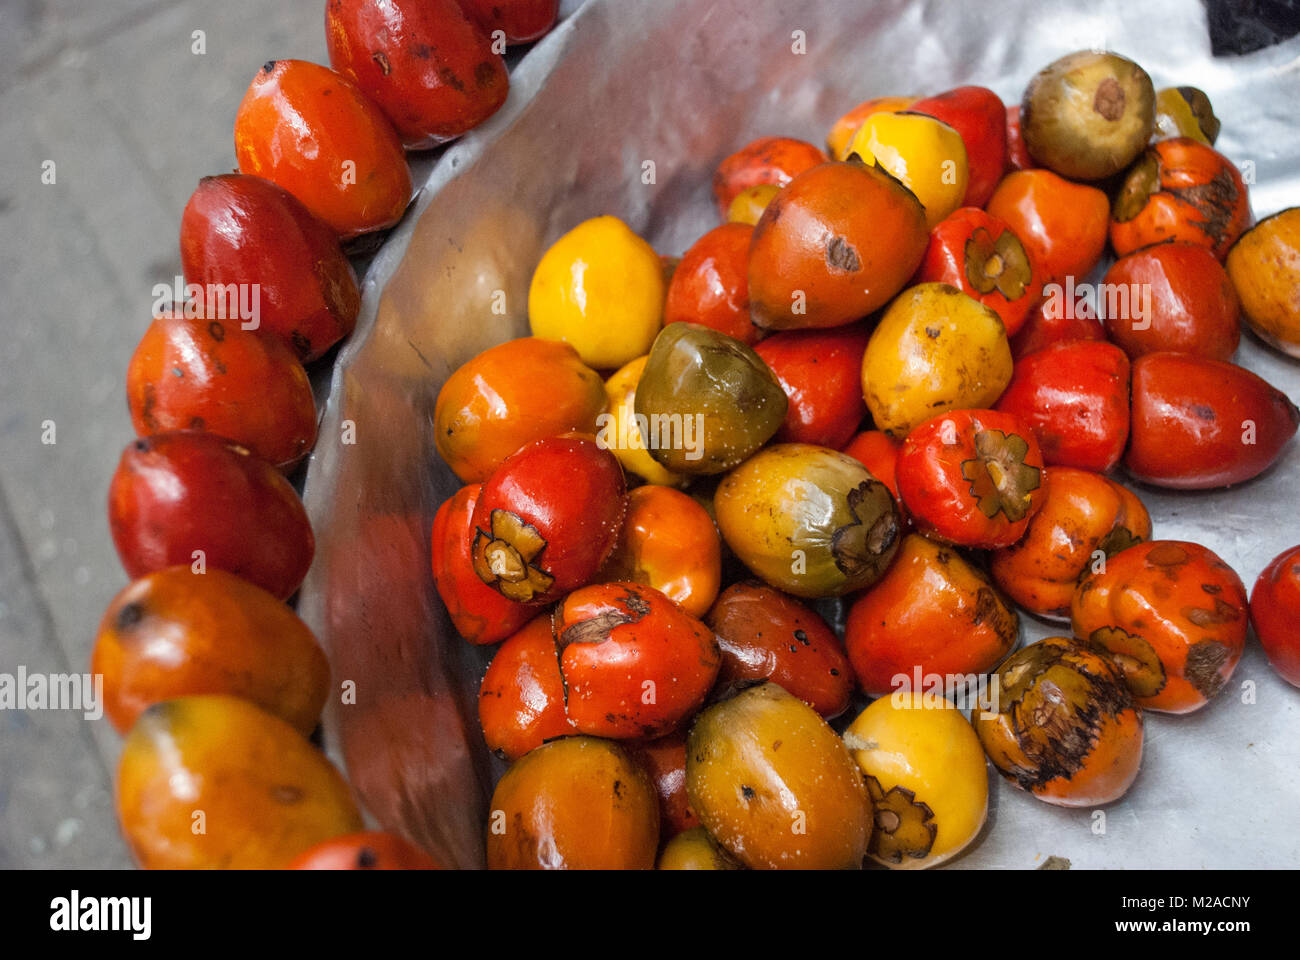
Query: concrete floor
x=112 y=92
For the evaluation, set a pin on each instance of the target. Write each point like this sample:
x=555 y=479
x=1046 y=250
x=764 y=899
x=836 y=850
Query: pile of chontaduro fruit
x=668 y=485
x=217 y=682
x=663 y=687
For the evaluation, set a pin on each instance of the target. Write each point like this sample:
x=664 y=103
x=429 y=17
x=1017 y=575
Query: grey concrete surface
x=113 y=94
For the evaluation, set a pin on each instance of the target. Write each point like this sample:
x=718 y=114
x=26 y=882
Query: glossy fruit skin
x=664 y=758
x=620 y=433
x=1046 y=326
x=600 y=287
x=931 y=611
x=767 y=635
x=1194 y=308
x=927 y=777
x=522 y=21
x=579 y=803
x=1180 y=190
x=934 y=349
x=424 y=63
x=668 y=542
x=1085 y=518
x=836 y=244
x=979 y=116
x=267 y=795
x=1275 y=611
x=710 y=285
x=763 y=760
x=943 y=459
x=521 y=698
x=1265 y=269
x=367 y=850
x=926 y=155
x=969 y=247
x=480 y=614
x=694 y=849
x=820 y=372
x=634 y=663
x=808 y=520
x=1171 y=615
x=1190 y=420
x=1185 y=112
x=488 y=408
x=191 y=373
x=1062 y=224
x=175 y=633
x=185 y=491
x=1018 y=157
x=298 y=124
x=1065 y=727
x=244 y=230
x=842 y=131
x=708 y=401
x=878 y=452
x=774 y=160
x=547 y=518
x=1074 y=395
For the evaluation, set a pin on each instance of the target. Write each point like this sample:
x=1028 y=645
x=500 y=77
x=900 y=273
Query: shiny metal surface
x=680 y=84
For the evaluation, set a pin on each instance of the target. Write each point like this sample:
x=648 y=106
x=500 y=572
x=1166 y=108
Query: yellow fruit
x=927 y=777
x=935 y=349
x=927 y=155
x=599 y=288
x=749 y=204
x=620 y=434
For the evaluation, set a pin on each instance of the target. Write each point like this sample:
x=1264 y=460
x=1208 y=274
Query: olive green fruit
x=705 y=400
x=808 y=520
x=775 y=785
x=1088 y=115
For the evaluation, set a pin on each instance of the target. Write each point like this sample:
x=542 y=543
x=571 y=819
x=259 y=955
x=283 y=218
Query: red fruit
x=245 y=230
x=1199 y=424
x=1275 y=610
x=194 y=498
x=665 y=760
x=521 y=698
x=774 y=160
x=522 y=21
x=212 y=375
x=424 y=63
x=1018 y=157
x=1045 y=327
x=1074 y=395
x=1180 y=300
x=548 y=518
x=369 y=850
x=709 y=285
x=972 y=477
x=480 y=614
x=821 y=374
x=634 y=663
x=978 y=114
x=982 y=256
x=767 y=635
x=313 y=132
